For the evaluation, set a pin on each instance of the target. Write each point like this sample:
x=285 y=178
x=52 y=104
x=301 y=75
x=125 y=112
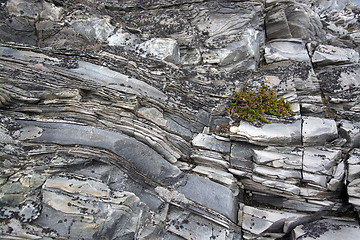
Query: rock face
x=113 y=126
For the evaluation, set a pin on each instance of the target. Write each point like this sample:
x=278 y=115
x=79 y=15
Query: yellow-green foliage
x=250 y=106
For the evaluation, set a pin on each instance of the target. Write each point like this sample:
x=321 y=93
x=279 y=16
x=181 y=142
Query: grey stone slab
x=281 y=50
x=279 y=134
x=278 y=159
x=326 y=229
x=351 y=132
x=258 y=220
x=93 y=28
x=166 y=49
x=211 y=142
x=117 y=80
x=209 y=194
x=327 y=54
x=72 y=202
x=143 y=158
x=321 y=161
x=318 y=130
x=277 y=173
x=243 y=150
x=192 y=226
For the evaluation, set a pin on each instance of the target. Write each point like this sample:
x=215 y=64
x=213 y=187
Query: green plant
x=250 y=106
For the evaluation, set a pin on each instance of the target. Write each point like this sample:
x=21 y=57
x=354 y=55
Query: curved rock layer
x=113 y=126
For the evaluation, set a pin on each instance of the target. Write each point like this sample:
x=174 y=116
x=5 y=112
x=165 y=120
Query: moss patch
x=250 y=106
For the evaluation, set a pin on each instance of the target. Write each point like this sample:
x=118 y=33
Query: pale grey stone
x=27 y=55
x=289 y=187
x=258 y=220
x=338 y=177
x=210 y=142
x=243 y=150
x=330 y=5
x=5 y=138
x=30 y=132
x=211 y=159
x=209 y=194
x=166 y=49
x=278 y=159
x=320 y=161
x=351 y=132
x=354 y=157
x=242 y=54
x=280 y=50
x=51 y=12
x=318 y=130
x=105 y=213
x=353 y=165
x=93 y=28
x=190 y=56
x=153 y=115
x=326 y=229
x=142 y=157
x=277 y=173
x=269 y=134
x=116 y=80
x=218 y=175
x=315 y=179
x=327 y=54
x=353 y=172
x=289 y=19
x=24 y=8
x=123 y=38
x=191 y=226
x=354 y=188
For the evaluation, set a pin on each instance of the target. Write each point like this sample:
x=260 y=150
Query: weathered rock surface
x=113 y=126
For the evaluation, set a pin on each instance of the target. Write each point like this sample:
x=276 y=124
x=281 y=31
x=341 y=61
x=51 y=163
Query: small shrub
x=250 y=106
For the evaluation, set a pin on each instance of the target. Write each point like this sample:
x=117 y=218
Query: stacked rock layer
x=113 y=125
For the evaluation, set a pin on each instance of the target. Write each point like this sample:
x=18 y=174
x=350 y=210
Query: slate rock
x=133 y=151
x=280 y=50
x=353 y=165
x=93 y=28
x=166 y=49
x=326 y=229
x=209 y=194
x=260 y=221
x=278 y=159
x=103 y=210
x=351 y=132
x=117 y=80
x=326 y=54
x=182 y=224
x=243 y=54
x=152 y=114
x=320 y=160
x=123 y=38
x=211 y=142
x=318 y=130
x=269 y=134
x=289 y=19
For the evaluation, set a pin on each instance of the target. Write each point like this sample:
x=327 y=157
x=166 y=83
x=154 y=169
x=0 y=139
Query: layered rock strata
x=113 y=126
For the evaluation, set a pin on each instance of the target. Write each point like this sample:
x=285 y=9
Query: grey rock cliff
x=113 y=125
